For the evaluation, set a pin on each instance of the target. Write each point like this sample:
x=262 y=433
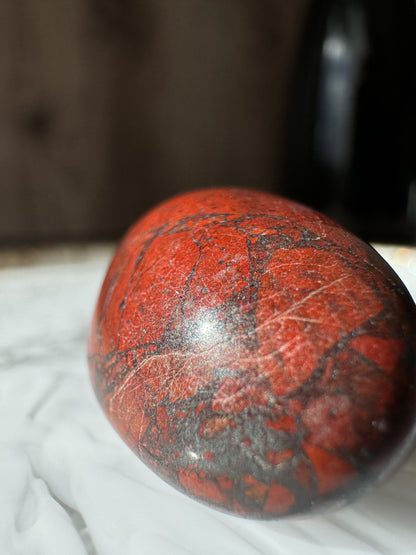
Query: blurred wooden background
x=108 y=106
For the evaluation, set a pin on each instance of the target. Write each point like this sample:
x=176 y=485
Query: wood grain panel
x=109 y=106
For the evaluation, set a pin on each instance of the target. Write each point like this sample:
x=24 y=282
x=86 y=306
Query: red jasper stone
x=255 y=354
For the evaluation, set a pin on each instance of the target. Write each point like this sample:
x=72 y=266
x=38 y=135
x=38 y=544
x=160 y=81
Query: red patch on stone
x=163 y=422
x=257 y=490
x=225 y=482
x=208 y=456
x=284 y=424
x=332 y=472
x=201 y=486
x=385 y=353
x=213 y=427
x=279 y=499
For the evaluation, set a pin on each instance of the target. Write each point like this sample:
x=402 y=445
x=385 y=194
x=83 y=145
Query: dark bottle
x=351 y=127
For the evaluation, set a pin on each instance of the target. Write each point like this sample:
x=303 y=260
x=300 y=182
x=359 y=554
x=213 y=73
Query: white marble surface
x=68 y=484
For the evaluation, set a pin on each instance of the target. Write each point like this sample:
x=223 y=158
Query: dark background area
x=108 y=106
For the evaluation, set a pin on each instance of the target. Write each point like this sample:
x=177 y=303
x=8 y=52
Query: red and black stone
x=256 y=355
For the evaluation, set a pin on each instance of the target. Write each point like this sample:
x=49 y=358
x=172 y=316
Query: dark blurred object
x=351 y=144
x=108 y=106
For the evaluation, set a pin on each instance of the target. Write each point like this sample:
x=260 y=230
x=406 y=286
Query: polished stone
x=256 y=355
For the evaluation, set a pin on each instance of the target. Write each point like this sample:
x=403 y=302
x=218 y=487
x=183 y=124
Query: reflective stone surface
x=254 y=354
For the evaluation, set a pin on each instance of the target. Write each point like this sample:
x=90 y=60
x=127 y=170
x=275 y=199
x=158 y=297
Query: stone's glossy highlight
x=255 y=354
